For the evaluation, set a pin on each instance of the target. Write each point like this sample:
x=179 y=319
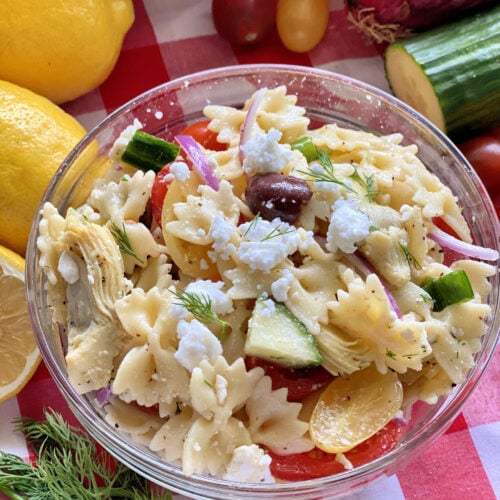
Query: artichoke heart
x=95 y=282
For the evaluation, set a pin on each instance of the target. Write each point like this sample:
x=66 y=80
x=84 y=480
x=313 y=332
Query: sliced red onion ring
x=459 y=246
x=364 y=267
x=199 y=160
x=246 y=128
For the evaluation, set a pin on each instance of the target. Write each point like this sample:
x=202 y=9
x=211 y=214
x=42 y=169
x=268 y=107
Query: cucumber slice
x=451 y=74
x=276 y=335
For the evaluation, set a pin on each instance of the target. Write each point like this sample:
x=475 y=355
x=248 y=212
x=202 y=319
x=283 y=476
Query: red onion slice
x=246 y=128
x=459 y=246
x=364 y=267
x=198 y=159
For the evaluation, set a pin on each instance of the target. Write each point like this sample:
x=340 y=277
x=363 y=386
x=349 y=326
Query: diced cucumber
x=276 y=335
x=451 y=288
x=451 y=74
x=148 y=152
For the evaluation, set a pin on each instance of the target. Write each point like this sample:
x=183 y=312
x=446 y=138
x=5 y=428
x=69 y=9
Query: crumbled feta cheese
x=196 y=343
x=280 y=287
x=264 y=153
x=269 y=307
x=348 y=226
x=221 y=231
x=119 y=146
x=180 y=171
x=269 y=242
x=249 y=464
x=68 y=267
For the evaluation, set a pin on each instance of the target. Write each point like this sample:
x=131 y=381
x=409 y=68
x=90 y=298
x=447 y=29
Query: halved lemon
x=353 y=408
x=19 y=355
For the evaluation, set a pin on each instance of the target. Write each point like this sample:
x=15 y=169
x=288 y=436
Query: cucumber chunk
x=276 y=335
x=451 y=74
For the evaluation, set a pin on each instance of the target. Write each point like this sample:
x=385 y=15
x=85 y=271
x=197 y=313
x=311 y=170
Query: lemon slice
x=354 y=407
x=19 y=355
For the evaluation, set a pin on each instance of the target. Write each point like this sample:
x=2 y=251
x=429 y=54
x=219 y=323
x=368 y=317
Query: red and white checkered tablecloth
x=172 y=38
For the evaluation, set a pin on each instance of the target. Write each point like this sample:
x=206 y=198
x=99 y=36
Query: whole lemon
x=61 y=49
x=35 y=137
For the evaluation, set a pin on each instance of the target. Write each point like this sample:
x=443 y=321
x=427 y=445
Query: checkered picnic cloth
x=172 y=38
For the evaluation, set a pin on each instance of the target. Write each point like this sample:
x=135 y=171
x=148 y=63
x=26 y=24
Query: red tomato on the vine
x=317 y=463
x=200 y=132
x=300 y=382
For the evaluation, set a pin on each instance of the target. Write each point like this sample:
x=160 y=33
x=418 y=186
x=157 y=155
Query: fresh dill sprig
x=252 y=224
x=368 y=182
x=67 y=465
x=410 y=258
x=200 y=306
x=121 y=237
x=327 y=174
x=275 y=232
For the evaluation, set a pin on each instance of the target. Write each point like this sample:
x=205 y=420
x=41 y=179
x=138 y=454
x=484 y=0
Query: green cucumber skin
x=462 y=62
x=147 y=152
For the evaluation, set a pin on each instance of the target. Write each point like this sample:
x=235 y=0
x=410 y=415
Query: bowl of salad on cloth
x=265 y=282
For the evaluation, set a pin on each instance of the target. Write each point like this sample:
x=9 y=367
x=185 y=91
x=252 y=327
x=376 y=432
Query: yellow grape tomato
x=301 y=24
x=354 y=407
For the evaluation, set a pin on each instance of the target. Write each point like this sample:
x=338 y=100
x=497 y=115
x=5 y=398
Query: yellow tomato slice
x=354 y=407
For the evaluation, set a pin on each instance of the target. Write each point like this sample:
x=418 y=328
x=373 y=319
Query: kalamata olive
x=276 y=195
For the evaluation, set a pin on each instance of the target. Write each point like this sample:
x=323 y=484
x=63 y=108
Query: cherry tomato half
x=200 y=132
x=317 y=463
x=244 y=22
x=299 y=382
x=483 y=153
x=158 y=192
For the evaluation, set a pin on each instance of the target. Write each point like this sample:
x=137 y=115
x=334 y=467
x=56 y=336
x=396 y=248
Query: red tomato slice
x=299 y=382
x=202 y=135
x=158 y=192
x=317 y=463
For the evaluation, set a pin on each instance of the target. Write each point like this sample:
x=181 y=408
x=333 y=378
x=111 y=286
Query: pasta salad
x=259 y=293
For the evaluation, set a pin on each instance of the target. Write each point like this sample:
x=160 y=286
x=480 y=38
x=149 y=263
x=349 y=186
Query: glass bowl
x=327 y=97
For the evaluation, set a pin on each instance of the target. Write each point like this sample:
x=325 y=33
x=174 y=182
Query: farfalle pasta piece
x=314 y=286
x=209 y=447
x=149 y=373
x=273 y=421
x=218 y=390
x=122 y=200
x=168 y=441
x=150 y=376
x=141 y=312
